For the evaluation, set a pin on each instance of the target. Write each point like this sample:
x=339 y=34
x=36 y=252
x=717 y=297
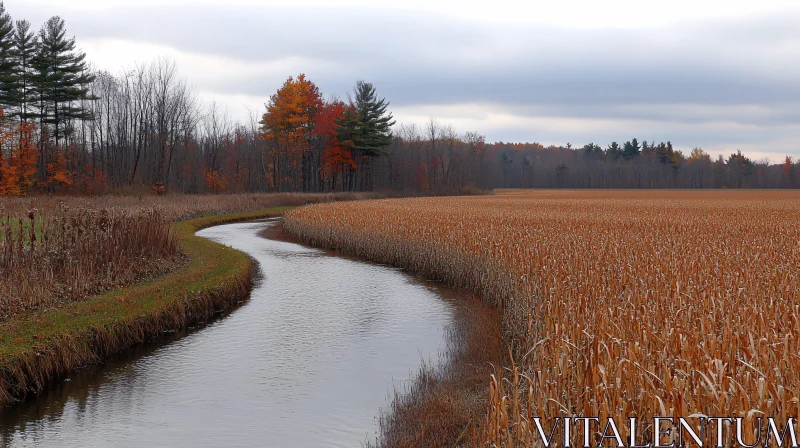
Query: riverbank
x=443 y=406
x=41 y=347
x=321 y=339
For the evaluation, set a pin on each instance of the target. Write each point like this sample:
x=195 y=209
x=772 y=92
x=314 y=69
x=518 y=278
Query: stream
x=310 y=360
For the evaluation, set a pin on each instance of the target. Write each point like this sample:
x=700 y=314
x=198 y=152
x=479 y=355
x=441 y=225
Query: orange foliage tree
x=18 y=166
x=59 y=176
x=215 y=181
x=288 y=127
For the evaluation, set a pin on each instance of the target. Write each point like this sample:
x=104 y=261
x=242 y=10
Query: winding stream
x=308 y=361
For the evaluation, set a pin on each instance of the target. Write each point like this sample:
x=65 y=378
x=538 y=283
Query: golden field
x=614 y=303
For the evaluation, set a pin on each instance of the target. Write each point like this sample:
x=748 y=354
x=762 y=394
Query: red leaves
x=159 y=188
x=215 y=181
x=336 y=157
x=18 y=168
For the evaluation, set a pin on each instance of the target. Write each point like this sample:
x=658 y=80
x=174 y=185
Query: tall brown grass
x=54 y=250
x=624 y=303
x=65 y=255
x=442 y=401
x=174 y=207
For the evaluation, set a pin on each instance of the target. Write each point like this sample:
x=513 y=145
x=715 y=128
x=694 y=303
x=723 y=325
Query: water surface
x=308 y=361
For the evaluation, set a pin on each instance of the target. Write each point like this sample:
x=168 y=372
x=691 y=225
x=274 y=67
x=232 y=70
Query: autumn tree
x=337 y=160
x=698 y=155
x=788 y=173
x=59 y=176
x=288 y=127
x=18 y=165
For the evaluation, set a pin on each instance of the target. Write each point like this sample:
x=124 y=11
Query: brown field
x=614 y=303
x=174 y=207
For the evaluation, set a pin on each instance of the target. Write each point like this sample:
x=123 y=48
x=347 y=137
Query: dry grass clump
x=66 y=254
x=38 y=348
x=616 y=303
x=440 y=404
x=54 y=250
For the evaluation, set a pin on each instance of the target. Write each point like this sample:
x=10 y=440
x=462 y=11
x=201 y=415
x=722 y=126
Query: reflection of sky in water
x=308 y=361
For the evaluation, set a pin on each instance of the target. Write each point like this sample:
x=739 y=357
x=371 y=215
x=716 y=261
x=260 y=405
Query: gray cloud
x=737 y=78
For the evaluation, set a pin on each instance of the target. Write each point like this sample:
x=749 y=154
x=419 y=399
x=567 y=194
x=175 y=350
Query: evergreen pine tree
x=347 y=127
x=8 y=78
x=613 y=150
x=648 y=148
x=373 y=122
x=26 y=44
x=60 y=78
x=631 y=149
x=366 y=126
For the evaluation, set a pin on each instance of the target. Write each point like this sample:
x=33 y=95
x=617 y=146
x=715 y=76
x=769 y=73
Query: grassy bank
x=40 y=347
x=59 y=250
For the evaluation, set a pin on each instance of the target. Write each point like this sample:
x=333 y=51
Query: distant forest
x=68 y=129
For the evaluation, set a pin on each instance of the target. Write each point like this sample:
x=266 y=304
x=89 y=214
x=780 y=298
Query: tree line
x=68 y=129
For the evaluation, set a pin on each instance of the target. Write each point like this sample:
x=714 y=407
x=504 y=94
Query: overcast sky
x=720 y=74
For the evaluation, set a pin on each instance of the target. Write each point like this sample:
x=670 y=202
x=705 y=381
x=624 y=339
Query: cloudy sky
x=720 y=74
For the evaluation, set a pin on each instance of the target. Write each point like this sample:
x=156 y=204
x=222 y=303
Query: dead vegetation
x=39 y=347
x=172 y=207
x=442 y=401
x=61 y=257
x=57 y=250
x=614 y=303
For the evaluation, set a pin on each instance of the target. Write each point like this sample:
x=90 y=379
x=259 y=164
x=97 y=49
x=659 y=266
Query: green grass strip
x=24 y=227
x=43 y=346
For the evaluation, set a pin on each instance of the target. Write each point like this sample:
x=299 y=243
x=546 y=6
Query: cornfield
x=614 y=303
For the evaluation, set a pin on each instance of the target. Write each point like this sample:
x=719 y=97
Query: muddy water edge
x=443 y=405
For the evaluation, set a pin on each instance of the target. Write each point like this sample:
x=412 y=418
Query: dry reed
x=440 y=403
x=38 y=348
x=56 y=250
x=174 y=207
x=67 y=255
x=623 y=303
